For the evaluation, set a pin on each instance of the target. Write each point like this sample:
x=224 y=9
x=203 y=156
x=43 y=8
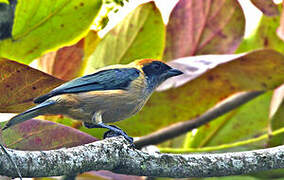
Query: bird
x=109 y=94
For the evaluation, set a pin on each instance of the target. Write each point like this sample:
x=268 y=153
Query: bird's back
x=115 y=105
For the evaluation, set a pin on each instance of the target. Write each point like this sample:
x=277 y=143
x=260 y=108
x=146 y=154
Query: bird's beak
x=174 y=72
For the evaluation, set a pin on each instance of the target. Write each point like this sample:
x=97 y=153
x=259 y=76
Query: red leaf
x=37 y=134
x=204 y=27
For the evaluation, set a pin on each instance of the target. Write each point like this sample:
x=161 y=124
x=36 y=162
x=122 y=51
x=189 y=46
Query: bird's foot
x=118 y=132
x=113 y=131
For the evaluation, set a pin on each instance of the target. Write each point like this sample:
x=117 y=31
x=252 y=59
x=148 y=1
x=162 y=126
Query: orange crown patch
x=143 y=62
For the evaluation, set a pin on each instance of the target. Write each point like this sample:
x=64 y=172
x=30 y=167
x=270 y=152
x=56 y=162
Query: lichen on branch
x=116 y=154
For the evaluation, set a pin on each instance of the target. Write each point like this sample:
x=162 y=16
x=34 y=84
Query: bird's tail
x=29 y=114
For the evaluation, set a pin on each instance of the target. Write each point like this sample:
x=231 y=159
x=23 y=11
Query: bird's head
x=156 y=71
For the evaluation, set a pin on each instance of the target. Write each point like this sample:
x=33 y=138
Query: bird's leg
x=90 y=125
x=110 y=133
x=97 y=119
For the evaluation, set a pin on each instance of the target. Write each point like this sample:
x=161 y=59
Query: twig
x=183 y=127
x=115 y=154
x=11 y=161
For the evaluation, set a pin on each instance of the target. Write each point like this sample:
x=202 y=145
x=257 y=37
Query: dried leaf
x=20 y=84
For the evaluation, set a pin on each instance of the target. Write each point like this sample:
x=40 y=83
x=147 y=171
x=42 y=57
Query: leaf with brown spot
x=267 y=7
x=68 y=62
x=264 y=36
x=20 y=84
x=192 y=97
x=37 y=134
x=204 y=27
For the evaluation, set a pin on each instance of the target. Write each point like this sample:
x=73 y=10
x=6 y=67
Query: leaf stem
x=223 y=146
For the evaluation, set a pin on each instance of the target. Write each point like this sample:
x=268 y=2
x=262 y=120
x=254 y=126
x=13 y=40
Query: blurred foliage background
x=46 y=43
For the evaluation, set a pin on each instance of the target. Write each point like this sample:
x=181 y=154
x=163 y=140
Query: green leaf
x=41 y=26
x=95 y=132
x=264 y=36
x=204 y=27
x=20 y=84
x=37 y=134
x=249 y=121
x=4 y=1
x=141 y=34
x=277 y=115
x=192 y=98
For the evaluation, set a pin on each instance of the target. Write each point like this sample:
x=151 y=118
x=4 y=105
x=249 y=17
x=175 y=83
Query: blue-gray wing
x=110 y=79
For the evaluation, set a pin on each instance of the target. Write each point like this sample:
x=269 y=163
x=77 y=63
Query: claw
x=115 y=131
x=119 y=132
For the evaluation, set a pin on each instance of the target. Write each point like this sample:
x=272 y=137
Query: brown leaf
x=69 y=62
x=267 y=7
x=20 y=84
x=204 y=27
x=64 y=63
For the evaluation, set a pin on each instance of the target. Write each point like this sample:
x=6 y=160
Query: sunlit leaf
x=90 y=43
x=264 y=37
x=276 y=101
x=40 y=26
x=4 y=1
x=242 y=73
x=204 y=27
x=43 y=135
x=20 y=84
x=267 y=7
x=140 y=34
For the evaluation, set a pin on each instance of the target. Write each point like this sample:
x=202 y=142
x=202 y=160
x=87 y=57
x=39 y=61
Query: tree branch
x=183 y=127
x=116 y=155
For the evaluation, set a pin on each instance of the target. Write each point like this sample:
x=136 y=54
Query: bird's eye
x=156 y=67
